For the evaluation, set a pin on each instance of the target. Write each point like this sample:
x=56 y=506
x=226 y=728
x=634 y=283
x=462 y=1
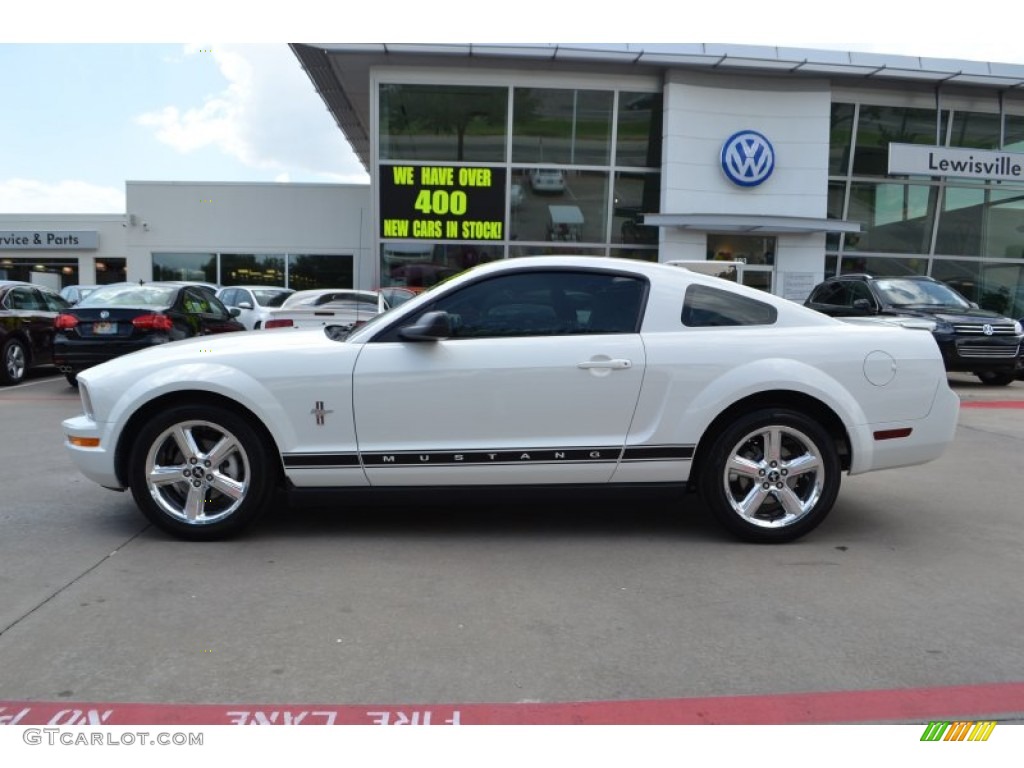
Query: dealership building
x=803 y=163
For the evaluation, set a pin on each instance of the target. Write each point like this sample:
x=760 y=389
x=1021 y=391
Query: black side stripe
x=496 y=457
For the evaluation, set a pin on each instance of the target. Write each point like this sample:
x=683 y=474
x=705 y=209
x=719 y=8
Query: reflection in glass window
x=979 y=130
x=1014 y=133
x=561 y=126
x=443 y=122
x=753 y=249
x=307 y=271
x=639 y=131
x=841 y=139
x=880 y=266
x=422 y=265
x=575 y=214
x=878 y=127
x=252 y=268
x=634 y=195
x=185 y=266
x=895 y=218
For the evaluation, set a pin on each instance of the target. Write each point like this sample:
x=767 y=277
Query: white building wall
x=110 y=239
x=226 y=217
x=701 y=112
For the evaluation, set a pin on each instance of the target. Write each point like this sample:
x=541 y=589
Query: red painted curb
x=964 y=702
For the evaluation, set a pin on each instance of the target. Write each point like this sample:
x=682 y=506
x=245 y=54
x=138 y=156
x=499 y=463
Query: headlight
x=942 y=327
x=1018 y=328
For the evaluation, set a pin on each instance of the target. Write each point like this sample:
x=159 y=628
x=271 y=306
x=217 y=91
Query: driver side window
x=545 y=303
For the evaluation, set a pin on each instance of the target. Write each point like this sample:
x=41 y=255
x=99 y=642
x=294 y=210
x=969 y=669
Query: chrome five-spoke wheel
x=772 y=475
x=201 y=472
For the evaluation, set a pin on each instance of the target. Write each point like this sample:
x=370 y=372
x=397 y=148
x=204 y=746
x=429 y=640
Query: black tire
x=997 y=378
x=13 y=362
x=201 y=473
x=771 y=476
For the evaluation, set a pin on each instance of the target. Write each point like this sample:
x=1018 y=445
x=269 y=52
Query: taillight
x=64 y=322
x=282 y=323
x=153 y=322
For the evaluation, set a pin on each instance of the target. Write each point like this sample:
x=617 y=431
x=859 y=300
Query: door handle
x=615 y=365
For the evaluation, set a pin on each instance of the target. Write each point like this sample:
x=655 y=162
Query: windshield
x=920 y=293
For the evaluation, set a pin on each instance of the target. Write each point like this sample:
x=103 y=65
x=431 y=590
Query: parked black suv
x=973 y=340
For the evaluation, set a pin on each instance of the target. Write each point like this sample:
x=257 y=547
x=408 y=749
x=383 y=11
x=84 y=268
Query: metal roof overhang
x=341 y=71
x=728 y=222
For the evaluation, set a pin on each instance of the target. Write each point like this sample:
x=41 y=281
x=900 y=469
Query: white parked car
x=253 y=302
x=538 y=371
x=547 y=181
x=326 y=306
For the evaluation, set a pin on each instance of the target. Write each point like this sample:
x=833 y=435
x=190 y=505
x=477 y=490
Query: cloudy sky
x=95 y=94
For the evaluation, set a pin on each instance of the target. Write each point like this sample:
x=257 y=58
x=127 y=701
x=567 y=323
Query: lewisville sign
x=44 y=240
x=923 y=160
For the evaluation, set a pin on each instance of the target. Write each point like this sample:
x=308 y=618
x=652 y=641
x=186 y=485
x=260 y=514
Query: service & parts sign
x=442 y=202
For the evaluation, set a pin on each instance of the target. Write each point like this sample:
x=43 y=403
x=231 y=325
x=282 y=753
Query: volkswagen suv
x=972 y=340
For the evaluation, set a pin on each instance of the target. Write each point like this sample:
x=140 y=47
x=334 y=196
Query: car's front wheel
x=771 y=476
x=201 y=472
x=15 y=362
x=997 y=378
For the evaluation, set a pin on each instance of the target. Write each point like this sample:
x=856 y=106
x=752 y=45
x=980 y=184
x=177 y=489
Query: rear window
x=130 y=295
x=705 y=307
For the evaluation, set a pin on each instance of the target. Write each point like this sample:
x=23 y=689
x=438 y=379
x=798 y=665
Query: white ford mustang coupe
x=540 y=371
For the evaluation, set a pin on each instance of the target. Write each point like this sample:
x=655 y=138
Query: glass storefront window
x=998 y=287
x=517 y=251
x=252 y=269
x=307 y=271
x=421 y=265
x=109 y=271
x=185 y=266
x=877 y=127
x=961 y=221
x=634 y=195
x=639 y=130
x=883 y=266
x=561 y=126
x=443 y=122
x=895 y=218
x=573 y=210
x=754 y=250
x=841 y=139
x=1013 y=137
x=979 y=130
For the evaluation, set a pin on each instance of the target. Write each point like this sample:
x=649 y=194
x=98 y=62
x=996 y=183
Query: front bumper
x=96 y=463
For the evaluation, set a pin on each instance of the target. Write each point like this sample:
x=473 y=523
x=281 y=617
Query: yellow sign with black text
x=442 y=202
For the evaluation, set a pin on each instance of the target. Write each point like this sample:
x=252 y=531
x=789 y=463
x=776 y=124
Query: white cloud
x=30 y=196
x=268 y=116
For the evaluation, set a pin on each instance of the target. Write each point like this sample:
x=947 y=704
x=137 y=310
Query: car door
x=207 y=314
x=35 y=320
x=537 y=383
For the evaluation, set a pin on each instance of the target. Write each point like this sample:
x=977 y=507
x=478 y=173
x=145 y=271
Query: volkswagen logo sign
x=987 y=329
x=104 y=314
x=748 y=158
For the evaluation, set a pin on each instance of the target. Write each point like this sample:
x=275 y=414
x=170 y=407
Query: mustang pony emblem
x=320 y=412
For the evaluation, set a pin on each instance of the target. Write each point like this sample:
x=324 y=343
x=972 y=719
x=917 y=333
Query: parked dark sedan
x=971 y=339
x=117 y=319
x=27 y=314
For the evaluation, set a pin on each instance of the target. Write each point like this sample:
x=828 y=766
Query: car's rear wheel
x=15 y=362
x=201 y=472
x=72 y=378
x=997 y=378
x=771 y=476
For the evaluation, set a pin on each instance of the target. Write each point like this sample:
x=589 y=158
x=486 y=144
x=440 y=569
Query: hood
x=949 y=314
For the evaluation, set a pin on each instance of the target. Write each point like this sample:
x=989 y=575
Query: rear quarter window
x=706 y=307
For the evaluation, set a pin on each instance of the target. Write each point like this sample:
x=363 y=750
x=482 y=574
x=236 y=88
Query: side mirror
x=862 y=305
x=432 y=326
x=234 y=311
x=245 y=305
